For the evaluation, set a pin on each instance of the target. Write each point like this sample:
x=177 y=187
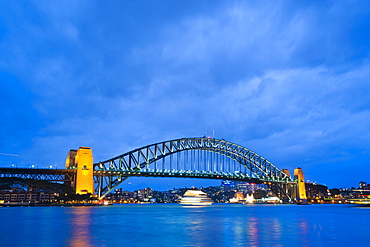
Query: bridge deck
x=38 y=174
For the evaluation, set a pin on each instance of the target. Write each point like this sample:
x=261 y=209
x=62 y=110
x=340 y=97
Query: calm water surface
x=175 y=225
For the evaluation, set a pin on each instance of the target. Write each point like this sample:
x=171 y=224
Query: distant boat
x=195 y=198
x=269 y=200
x=363 y=199
x=304 y=203
x=364 y=202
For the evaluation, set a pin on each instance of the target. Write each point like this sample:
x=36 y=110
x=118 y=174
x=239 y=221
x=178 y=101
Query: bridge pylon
x=301 y=187
x=82 y=161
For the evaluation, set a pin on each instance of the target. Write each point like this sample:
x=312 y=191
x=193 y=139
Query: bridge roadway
x=68 y=175
x=183 y=174
x=64 y=175
x=60 y=175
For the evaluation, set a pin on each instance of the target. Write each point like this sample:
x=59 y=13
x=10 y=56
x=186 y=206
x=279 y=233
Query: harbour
x=177 y=225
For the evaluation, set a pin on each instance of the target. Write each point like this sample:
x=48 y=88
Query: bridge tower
x=299 y=177
x=286 y=171
x=82 y=161
x=70 y=161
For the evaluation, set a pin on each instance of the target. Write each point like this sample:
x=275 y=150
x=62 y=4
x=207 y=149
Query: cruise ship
x=359 y=202
x=195 y=198
x=362 y=199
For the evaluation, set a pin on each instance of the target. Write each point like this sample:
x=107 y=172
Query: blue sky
x=289 y=80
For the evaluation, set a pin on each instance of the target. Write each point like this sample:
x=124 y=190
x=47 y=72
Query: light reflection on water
x=175 y=225
x=80 y=227
x=253 y=231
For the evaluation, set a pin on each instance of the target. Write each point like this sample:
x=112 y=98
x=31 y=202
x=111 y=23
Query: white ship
x=362 y=198
x=195 y=198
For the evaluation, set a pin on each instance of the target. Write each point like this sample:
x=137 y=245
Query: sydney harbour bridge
x=205 y=158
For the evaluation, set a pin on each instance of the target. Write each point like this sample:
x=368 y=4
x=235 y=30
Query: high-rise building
x=228 y=185
x=362 y=185
x=242 y=186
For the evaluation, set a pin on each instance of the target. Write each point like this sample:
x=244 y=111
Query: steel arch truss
x=189 y=157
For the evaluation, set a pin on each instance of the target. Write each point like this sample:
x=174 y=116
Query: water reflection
x=199 y=229
x=188 y=226
x=304 y=231
x=81 y=220
x=263 y=229
x=253 y=231
x=215 y=226
x=172 y=225
x=275 y=231
x=193 y=206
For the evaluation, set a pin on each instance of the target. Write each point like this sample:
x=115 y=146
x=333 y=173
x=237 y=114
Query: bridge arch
x=194 y=158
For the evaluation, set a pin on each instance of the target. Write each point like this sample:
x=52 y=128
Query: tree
x=335 y=192
x=259 y=194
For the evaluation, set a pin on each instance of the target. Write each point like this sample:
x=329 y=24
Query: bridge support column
x=71 y=165
x=299 y=177
x=82 y=161
x=291 y=187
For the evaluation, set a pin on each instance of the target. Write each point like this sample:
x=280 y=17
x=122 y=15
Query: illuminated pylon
x=82 y=160
x=299 y=178
x=286 y=171
x=71 y=159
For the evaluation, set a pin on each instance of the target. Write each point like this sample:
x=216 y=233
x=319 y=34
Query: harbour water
x=176 y=225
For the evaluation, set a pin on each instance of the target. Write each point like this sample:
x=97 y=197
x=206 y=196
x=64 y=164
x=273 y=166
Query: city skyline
x=287 y=80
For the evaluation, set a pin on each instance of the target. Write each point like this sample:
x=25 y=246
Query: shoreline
x=51 y=205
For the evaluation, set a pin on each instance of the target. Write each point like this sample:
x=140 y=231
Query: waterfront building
x=16 y=197
x=362 y=185
x=239 y=198
x=228 y=185
x=144 y=194
x=243 y=187
x=250 y=187
x=316 y=191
